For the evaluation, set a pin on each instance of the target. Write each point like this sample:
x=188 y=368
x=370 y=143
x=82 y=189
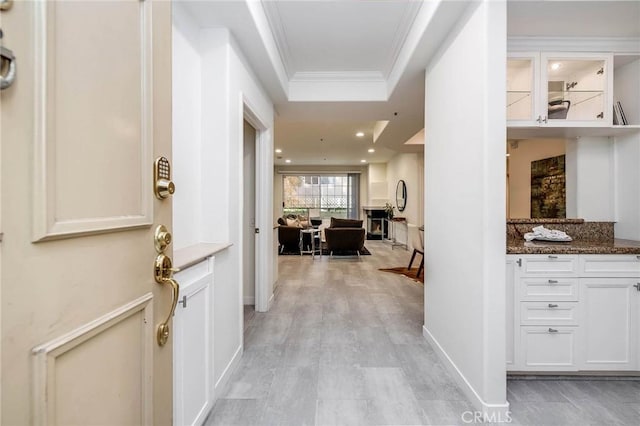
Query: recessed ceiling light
x=370 y=150
x=287 y=161
x=555 y=66
x=360 y=134
x=363 y=161
x=278 y=150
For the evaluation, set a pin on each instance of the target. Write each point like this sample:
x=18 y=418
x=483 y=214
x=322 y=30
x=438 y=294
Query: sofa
x=289 y=233
x=345 y=236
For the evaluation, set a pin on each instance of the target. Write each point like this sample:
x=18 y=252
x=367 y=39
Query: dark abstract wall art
x=548 y=188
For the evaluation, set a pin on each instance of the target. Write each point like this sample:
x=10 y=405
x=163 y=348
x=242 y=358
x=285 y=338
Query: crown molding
x=261 y=21
x=575 y=44
x=272 y=12
x=400 y=37
x=338 y=76
x=340 y=86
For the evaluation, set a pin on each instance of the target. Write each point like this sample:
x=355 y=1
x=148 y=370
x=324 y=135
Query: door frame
x=263 y=206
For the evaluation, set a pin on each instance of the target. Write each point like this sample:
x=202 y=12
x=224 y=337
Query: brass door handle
x=163 y=328
x=163 y=273
x=7 y=56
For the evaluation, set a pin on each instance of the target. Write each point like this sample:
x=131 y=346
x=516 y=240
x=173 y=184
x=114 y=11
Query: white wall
x=377 y=187
x=522 y=153
x=186 y=63
x=590 y=178
x=214 y=89
x=465 y=183
x=627 y=194
x=407 y=168
x=227 y=85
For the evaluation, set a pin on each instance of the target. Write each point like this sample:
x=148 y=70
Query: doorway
x=249 y=216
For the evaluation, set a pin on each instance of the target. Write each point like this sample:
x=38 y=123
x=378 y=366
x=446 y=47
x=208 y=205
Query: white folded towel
x=542 y=233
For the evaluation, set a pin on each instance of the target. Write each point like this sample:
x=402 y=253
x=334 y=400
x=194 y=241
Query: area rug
x=411 y=273
x=325 y=252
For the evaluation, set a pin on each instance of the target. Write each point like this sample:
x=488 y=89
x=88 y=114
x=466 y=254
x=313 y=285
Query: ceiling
x=334 y=68
x=321 y=36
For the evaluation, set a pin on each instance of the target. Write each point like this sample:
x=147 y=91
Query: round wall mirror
x=401 y=195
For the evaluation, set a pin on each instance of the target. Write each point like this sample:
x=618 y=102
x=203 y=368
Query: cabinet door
x=576 y=89
x=551 y=265
x=610 y=265
x=510 y=311
x=523 y=86
x=609 y=323
x=548 y=348
x=193 y=383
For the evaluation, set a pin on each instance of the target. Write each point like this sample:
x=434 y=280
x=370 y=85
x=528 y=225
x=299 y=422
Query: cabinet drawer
x=549 y=265
x=549 y=289
x=548 y=348
x=613 y=265
x=549 y=313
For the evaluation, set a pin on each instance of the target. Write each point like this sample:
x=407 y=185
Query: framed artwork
x=548 y=188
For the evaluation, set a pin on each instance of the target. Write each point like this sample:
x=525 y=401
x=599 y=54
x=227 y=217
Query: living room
x=350 y=192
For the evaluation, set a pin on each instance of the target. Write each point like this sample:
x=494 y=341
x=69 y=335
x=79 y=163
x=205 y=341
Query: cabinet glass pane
x=576 y=89
x=519 y=89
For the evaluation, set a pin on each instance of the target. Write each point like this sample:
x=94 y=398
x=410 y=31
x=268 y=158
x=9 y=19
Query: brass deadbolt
x=162 y=238
x=164 y=188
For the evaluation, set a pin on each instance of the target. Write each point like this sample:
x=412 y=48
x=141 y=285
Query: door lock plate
x=163 y=186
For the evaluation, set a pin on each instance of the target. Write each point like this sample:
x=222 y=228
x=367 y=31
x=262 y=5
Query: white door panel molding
x=97 y=349
x=106 y=142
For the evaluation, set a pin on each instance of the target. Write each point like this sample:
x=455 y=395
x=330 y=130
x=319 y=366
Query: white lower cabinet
x=510 y=311
x=192 y=350
x=610 y=318
x=573 y=313
x=548 y=348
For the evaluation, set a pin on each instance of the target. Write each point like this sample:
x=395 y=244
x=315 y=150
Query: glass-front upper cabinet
x=522 y=88
x=559 y=89
x=577 y=89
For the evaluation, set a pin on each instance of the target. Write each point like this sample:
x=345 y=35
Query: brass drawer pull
x=553 y=305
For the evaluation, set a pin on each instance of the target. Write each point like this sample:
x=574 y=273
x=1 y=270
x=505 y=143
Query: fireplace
x=376 y=229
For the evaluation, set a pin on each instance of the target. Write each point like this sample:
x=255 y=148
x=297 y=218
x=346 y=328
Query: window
x=322 y=195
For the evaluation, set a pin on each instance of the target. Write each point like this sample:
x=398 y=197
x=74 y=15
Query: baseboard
x=227 y=373
x=271 y=299
x=249 y=300
x=495 y=413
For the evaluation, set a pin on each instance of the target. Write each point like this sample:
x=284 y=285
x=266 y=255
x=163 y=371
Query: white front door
x=88 y=112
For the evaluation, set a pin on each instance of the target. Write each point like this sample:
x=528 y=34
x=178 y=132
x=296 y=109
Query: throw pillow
x=293 y=222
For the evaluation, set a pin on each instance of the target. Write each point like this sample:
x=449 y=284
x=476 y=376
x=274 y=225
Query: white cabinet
x=193 y=395
x=573 y=312
x=559 y=89
x=548 y=348
x=510 y=312
x=610 y=322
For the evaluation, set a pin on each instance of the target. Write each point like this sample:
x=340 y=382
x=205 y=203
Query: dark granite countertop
x=617 y=246
x=543 y=221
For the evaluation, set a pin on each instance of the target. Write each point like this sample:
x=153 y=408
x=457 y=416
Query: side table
x=313 y=235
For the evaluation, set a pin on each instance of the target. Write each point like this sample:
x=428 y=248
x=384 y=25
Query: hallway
x=342 y=345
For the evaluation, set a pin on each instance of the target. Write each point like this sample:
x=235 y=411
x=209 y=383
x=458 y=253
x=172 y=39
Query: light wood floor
x=343 y=345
